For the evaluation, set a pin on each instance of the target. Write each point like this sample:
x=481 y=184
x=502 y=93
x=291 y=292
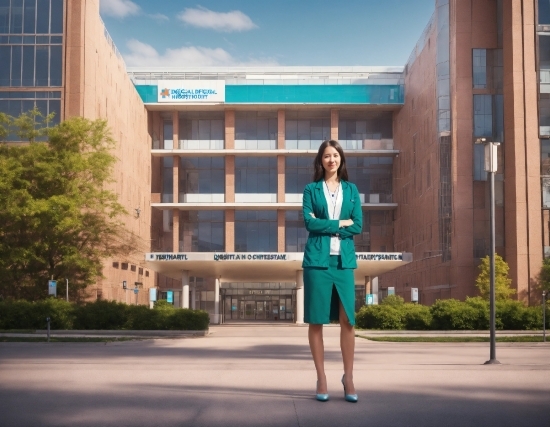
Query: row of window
x=256 y=231
x=31 y=16
x=258 y=175
x=256 y=131
x=31 y=66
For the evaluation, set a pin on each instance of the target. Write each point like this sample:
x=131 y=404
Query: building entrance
x=258 y=301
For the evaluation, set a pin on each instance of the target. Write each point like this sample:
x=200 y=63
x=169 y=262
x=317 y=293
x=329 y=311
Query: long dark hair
x=319 y=171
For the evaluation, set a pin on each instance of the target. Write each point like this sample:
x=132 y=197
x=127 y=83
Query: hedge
x=449 y=314
x=99 y=315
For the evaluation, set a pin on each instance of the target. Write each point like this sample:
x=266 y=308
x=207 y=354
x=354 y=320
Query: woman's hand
x=345 y=223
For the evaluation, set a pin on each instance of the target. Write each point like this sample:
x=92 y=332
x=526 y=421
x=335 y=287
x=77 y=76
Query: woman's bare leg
x=347 y=345
x=315 y=335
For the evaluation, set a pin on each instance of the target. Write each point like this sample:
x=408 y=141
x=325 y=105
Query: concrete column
x=368 y=285
x=281 y=231
x=281 y=166
x=216 y=319
x=230 y=230
x=281 y=130
x=374 y=284
x=175 y=230
x=229 y=179
x=334 y=116
x=175 y=130
x=194 y=295
x=185 y=289
x=300 y=297
x=176 y=179
x=230 y=129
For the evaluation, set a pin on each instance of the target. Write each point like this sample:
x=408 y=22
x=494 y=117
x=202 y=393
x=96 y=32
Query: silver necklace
x=333 y=198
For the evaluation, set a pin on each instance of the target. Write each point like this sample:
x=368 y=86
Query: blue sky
x=263 y=32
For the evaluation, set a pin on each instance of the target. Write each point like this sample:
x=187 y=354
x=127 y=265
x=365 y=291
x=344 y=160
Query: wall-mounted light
x=138 y=211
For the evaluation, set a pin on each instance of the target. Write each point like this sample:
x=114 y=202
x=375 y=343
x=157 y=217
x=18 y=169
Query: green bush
x=416 y=317
x=32 y=315
x=482 y=308
x=99 y=315
x=393 y=300
x=379 y=317
x=452 y=314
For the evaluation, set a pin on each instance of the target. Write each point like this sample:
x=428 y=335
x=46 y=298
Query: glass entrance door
x=260 y=310
x=248 y=310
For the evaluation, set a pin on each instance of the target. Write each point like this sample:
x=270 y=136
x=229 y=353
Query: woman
x=332 y=216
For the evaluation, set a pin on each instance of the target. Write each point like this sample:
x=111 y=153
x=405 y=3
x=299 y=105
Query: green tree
x=544 y=275
x=503 y=291
x=57 y=216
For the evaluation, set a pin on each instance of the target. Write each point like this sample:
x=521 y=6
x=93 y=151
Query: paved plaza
x=248 y=375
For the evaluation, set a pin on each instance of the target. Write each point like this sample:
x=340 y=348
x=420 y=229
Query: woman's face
x=331 y=159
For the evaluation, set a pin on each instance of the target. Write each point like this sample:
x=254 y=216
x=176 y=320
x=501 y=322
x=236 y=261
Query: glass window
x=544 y=12
x=306 y=130
x=298 y=173
x=29 y=23
x=256 y=130
x=479 y=68
x=362 y=241
x=4 y=16
x=202 y=231
x=201 y=131
x=256 y=175
x=295 y=231
x=43 y=17
x=545 y=157
x=42 y=66
x=56 y=26
x=364 y=130
x=256 y=231
x=479 y=163
x=5 y=60
x=55 y=65
x=168 y=133
x=16 y=62
x=28 y=66
x=167 y=180
x=202 y=175
x=483 y=116
x=16 y=21
x=372 y=176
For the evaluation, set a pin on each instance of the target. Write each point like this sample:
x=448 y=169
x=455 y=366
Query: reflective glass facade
x=201 y=179
x=306 y=130
x=202 y=231
x=295 y=232
x=256 y=130
x=256 y=231
x=31 y=37
x=365 y=130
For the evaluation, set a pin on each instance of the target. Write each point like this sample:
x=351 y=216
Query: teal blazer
x=320 y=227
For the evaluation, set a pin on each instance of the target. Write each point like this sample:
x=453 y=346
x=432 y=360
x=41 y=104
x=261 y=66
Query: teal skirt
x=324 y=288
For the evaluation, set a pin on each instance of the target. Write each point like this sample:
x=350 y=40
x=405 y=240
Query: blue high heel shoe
x=349 y=397
x=321 y=397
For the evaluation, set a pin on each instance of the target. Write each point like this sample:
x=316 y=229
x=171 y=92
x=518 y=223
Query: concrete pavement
x=244 y=375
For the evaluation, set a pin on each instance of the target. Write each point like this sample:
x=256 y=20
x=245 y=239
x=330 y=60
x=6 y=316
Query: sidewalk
x=264 y=376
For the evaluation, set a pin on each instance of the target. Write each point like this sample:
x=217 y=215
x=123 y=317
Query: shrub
x=416 y=317
x=379 y=317
x=482 y=308
x=453 y=314
x=393 y=300
x=32 y=315
x=101 y=314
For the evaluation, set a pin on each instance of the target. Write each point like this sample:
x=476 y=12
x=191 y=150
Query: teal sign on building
x=299 y=94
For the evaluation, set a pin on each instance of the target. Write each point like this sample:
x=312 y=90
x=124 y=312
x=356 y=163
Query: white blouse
x=334 y=203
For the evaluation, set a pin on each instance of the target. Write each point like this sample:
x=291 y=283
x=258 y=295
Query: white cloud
x=159 y=17
x=219 y=21
x=118 y=8
x=142 y=55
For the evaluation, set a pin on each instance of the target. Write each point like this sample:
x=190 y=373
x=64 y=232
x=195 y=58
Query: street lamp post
x=491 y=168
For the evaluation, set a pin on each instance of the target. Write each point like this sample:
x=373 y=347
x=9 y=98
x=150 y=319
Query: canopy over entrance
x=258 y=267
